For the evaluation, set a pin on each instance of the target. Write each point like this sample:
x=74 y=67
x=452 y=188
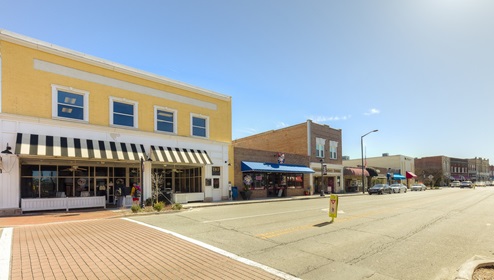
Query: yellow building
x=80 y=127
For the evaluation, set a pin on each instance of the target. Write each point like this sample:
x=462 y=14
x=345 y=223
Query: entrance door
x=103 y=188
x=216 y=189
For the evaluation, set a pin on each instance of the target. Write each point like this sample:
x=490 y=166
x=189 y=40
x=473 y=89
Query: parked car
x=398 y=188
x=455 y=184
x=418 y=187
x=380 y=189
x=480 y=184
x=466 y=184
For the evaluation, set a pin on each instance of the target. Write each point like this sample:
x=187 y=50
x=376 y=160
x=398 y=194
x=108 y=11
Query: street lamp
x=362 y=153
x=321 y=191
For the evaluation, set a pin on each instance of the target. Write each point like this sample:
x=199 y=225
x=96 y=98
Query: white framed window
x=320 y=142
x=69 y=103
x=123 y=112
x=199 y=125
x=333 y=150
x=165 y=120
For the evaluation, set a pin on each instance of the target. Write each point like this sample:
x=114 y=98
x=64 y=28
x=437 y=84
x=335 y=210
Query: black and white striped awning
x=42 y=145
x=179 y=155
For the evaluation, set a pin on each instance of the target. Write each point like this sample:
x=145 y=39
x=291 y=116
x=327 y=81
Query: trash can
x=234 y=193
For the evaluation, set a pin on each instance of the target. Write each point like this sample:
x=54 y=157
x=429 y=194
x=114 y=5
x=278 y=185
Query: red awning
x=410 y=175
x=354 y=172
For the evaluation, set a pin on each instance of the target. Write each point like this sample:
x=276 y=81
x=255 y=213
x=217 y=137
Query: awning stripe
x=41 y=145
x=179 y=155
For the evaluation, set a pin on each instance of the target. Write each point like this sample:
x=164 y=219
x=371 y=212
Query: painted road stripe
x=256 y=216
x=5 y=252
x=221 y=252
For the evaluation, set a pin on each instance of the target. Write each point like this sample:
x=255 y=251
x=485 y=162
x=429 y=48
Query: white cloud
x=281 y=125
x=323 y=119
x=372 y=111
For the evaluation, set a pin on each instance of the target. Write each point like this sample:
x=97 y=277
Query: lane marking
x=256 y=216
x=220 y=251
x=5 y=254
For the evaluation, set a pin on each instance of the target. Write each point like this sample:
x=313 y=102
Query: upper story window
x=165 y=120
x=69 y=103
x=333 y=150
x=123 y=112
x=320 y=147
x=199 y=126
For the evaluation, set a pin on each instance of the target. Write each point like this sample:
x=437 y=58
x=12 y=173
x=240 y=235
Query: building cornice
x=106 y=64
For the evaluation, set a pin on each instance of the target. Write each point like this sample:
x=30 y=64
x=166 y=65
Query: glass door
x=103 y=188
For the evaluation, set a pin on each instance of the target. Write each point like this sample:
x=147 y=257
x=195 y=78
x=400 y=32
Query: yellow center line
x=281 y=232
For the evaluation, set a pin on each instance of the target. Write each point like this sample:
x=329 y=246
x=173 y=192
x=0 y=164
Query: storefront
x=181 y=172
x=70 y=173
x=266 y=179
x=353 y=179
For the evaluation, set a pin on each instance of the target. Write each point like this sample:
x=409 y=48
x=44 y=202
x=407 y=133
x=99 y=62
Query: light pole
x=362 y=153
x=321 y=191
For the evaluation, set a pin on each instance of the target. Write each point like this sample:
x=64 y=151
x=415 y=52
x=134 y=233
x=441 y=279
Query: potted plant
x=246 y=192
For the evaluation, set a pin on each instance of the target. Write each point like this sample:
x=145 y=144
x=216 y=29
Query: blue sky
x=419 y=71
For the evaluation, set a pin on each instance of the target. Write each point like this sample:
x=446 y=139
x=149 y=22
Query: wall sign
x=216 y=170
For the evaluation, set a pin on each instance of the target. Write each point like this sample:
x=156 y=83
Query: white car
x=398 y=188
x=455 y=184
x=418 y=187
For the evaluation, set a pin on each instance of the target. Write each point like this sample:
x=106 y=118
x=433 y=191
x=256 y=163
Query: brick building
x=315 y=146
x=434 y=169
x=458 y=169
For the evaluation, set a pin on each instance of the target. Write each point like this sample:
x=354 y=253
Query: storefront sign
x=216 y=170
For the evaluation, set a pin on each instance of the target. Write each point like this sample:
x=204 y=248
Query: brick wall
x=243 y=154
x=291 y=139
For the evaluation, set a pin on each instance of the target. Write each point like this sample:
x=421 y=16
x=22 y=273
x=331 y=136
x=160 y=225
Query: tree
x=157 y=181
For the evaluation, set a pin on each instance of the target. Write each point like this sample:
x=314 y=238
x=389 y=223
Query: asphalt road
x=413 y=235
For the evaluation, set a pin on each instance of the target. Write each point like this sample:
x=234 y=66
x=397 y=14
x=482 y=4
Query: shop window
x=294 y=181
x=123 y=112
x=165 y=120
x=69 y=103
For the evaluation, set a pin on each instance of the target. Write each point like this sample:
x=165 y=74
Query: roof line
x=103 y=63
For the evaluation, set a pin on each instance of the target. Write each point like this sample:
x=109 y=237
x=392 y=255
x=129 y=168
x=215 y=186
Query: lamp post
x=321 y=191
x=362 y=153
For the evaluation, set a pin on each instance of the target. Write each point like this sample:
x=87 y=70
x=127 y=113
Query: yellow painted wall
x=26 y=91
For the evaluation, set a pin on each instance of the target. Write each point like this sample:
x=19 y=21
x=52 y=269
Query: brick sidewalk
x=102 y=248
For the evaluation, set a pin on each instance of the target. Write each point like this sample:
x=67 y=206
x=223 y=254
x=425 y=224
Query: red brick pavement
x=89 y=245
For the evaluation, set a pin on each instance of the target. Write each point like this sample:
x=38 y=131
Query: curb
x=466 y=270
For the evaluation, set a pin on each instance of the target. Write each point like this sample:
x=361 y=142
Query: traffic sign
x=333 y=206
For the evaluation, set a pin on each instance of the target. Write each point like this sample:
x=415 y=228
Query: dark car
x=466 y=184
x=380 y=189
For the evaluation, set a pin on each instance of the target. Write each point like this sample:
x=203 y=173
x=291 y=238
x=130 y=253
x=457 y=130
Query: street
x=413 y=235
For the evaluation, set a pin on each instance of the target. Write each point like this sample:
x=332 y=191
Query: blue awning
x=398 y=177
x=249 y=166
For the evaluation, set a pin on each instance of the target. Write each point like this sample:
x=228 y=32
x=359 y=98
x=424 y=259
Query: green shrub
x=135 y=208
x=149 y=202
x=158 y=206
x=177 y=206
